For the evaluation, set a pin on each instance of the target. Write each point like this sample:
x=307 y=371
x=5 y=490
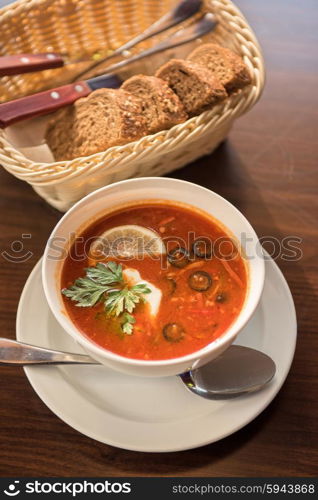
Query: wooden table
x=268 y=169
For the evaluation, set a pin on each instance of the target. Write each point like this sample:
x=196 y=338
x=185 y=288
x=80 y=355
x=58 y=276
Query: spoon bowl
x=237 y=371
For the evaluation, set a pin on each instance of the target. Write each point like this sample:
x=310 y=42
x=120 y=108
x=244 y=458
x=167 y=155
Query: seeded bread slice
x=197 y=88
x=227 y=66
x=105 y=118
x=162 y=108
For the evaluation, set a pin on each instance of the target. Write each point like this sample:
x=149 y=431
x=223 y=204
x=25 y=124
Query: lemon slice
x=129 y=241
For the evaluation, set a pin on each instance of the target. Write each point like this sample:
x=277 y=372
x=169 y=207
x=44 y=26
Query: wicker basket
x=88 y=26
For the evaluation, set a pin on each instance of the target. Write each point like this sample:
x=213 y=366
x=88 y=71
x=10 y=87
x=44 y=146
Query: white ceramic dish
x=106 y=199
x=153 y=415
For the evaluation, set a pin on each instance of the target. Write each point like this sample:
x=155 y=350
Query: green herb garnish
x=106 y=274
x=105 y=283
x=127 y=325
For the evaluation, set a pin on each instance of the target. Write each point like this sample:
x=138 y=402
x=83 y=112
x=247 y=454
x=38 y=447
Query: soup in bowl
x=153 y=276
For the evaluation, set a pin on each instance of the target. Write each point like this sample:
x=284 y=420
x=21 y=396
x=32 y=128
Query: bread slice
x=197 y=88
x=59 y=133
x=162 y=108
x=227 y=66
x=105 y=118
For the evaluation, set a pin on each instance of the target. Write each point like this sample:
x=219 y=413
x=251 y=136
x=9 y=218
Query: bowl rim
x=226 y=338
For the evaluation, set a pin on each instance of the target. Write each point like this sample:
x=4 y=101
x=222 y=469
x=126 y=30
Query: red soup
x=155 y=280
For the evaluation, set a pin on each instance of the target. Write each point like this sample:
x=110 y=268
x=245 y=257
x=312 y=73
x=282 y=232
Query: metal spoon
x=199 y=28
x=238 y=370
x=179 y=13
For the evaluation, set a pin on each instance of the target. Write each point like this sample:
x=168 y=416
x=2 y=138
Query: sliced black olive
x=200 y=281
x=203 y=248
x=178 y=257
x=173 y=332
x=220 y=298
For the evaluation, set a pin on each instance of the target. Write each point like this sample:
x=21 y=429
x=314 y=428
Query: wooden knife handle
x=41 y=103
x=26 y=63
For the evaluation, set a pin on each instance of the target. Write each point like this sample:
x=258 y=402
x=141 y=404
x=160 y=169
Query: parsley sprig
x=105 y=283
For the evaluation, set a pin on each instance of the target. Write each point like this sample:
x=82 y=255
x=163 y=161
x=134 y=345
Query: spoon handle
x=181 y=12
x=18 y=354
x=201 y=27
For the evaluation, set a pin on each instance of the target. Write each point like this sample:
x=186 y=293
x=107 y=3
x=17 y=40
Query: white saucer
x=153 y=415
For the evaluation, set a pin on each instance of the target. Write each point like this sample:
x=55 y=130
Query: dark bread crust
x=197 y=88
x=161 y=106
x=59 y=132
x=105 y=118
x=227 y=66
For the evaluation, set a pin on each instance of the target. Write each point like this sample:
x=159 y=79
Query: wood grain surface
x=268 y=169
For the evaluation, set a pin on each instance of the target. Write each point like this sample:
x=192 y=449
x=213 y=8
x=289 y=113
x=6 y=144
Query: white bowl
x=107 y=198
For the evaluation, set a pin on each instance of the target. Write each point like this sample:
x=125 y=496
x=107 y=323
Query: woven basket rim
x=236 y=105
x=21 y=3
x=129 y=147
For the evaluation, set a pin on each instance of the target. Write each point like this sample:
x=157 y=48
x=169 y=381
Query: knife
x=53 y=99
x=27 y=63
